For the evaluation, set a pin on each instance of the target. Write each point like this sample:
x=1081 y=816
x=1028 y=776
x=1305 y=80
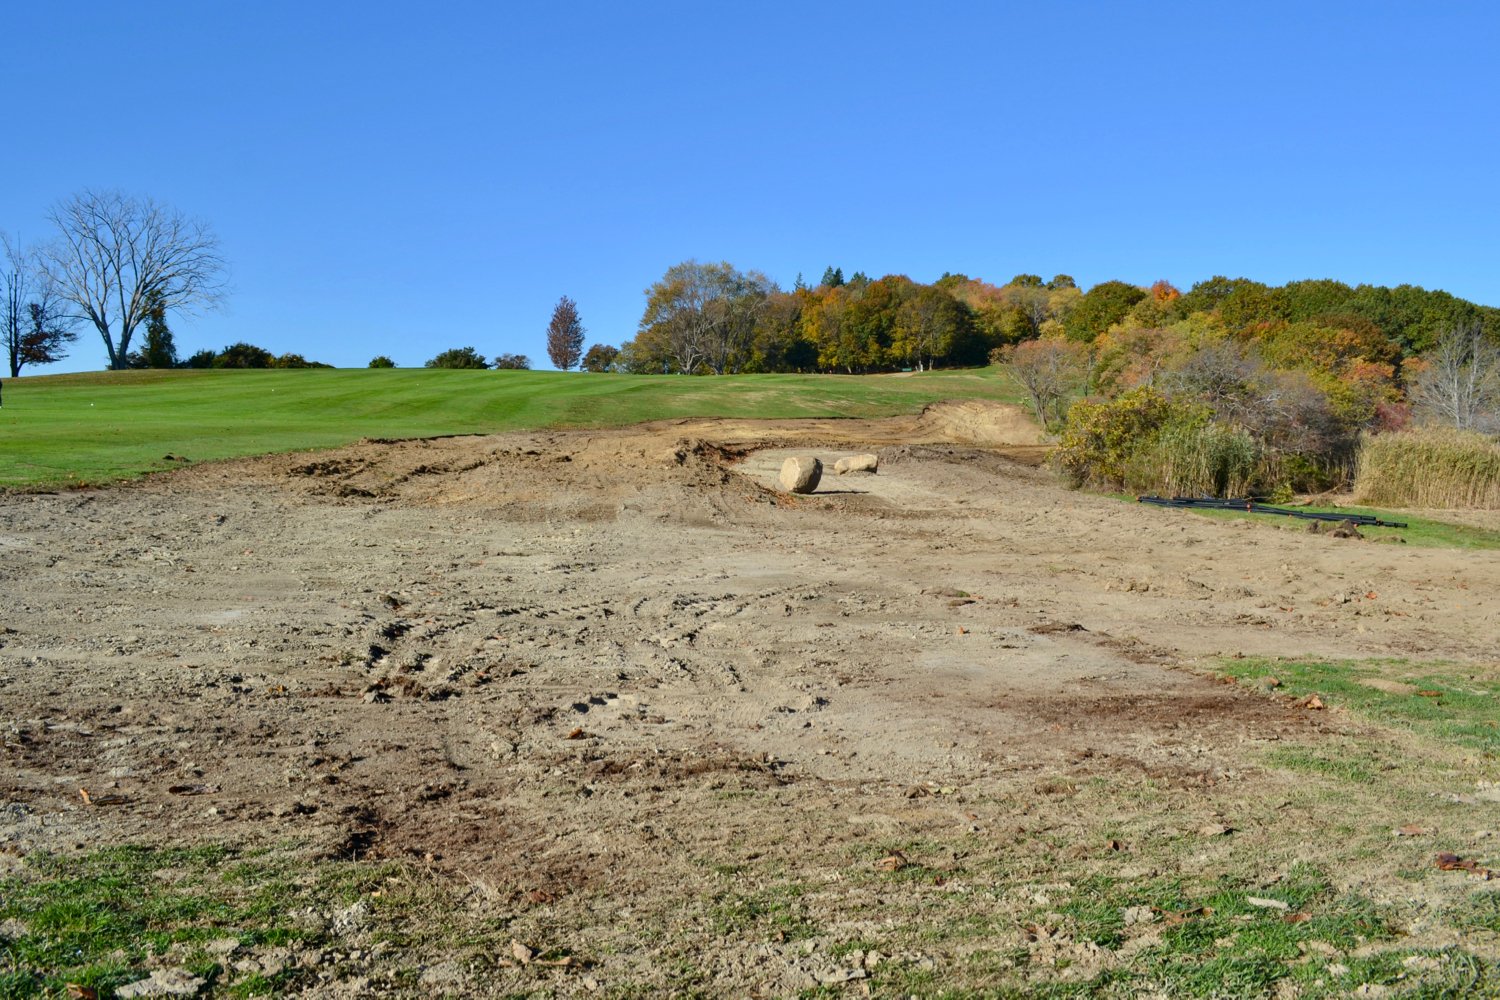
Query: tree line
x=713 y=318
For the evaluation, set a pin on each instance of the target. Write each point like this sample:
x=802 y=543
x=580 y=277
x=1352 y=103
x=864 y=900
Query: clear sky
x=400 y=178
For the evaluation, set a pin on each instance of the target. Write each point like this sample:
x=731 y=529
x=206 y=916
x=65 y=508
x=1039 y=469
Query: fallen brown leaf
x=1452 y=862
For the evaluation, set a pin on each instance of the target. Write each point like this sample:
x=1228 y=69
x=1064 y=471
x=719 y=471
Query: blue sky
x=400 y=178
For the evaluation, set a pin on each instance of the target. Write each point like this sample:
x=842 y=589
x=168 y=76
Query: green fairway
x=97 y=427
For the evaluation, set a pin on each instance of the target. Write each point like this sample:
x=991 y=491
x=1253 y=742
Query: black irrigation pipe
x=1253 y=506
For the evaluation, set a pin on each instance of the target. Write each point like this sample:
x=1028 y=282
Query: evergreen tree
x=159 y=349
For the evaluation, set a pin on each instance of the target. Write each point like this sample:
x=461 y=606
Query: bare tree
x=34 y=322
x=565 y=334
x=1461 y=384
x=1050 y=371
x=116 y=253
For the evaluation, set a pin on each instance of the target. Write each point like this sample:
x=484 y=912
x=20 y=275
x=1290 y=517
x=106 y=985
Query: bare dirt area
x=631 y=703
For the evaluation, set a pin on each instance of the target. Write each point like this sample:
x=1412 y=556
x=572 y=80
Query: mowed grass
x=1445 y=702
x=92 y=428
x=1421 y=531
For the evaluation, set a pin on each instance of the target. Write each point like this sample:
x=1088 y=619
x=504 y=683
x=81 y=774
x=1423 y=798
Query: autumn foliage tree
x=565 y=335
x=701 y=316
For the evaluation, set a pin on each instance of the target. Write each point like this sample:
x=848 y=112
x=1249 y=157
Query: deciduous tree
x=34 y=323
x=116 y=254
x=928 y=326
x=1050 y=371
x=1460 y=385
x=565 y=334
x=704 y=314
x=512 y=362
x=1102 y=307
x=600 y=358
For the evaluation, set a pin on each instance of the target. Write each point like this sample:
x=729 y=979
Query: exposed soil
x=578 y=669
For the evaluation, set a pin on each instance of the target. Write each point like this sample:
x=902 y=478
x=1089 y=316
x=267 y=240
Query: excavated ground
x=582 y=669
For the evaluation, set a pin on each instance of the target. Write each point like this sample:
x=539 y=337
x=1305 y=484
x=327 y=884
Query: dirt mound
x=977 y=422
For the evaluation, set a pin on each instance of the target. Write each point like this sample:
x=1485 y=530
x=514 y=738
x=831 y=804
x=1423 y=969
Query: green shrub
x=1102 y=439
x=1430 y=468
x=458 y=357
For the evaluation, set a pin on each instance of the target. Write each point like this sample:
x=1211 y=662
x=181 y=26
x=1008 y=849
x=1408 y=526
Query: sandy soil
x=577 y=668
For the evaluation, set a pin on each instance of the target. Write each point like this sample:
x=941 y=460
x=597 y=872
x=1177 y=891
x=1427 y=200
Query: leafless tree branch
x=116 y=252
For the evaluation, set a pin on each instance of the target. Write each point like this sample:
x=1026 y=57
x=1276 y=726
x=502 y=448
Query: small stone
x=351 y=918
x=800 y=474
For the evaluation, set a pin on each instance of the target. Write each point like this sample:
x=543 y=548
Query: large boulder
x=857 y=463
x=800 y=474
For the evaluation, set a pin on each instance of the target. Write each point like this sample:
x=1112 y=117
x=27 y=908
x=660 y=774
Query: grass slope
x=88 y=428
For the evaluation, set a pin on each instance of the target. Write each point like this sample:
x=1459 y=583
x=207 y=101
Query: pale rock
x=800 y=474
x=857 y=463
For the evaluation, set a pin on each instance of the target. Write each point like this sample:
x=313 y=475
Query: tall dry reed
x=1188 y=460
x=1430 y=468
